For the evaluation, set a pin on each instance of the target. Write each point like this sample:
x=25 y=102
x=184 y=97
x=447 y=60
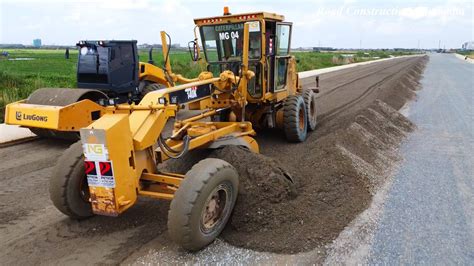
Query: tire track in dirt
x=359 y=77
x=364 y=94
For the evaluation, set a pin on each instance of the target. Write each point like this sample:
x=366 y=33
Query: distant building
x=468 y=46
x=12 y=46
x=37 y=43
x=148 y=46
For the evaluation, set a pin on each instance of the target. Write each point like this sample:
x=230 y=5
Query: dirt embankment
x=334 y=183
x=305 y=194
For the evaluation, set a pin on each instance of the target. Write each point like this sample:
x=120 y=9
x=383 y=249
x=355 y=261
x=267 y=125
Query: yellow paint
x=152 y=73
x=64 y=118
x=119 y=144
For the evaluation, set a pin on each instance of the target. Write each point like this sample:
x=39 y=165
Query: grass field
x=469 y=54
x=49 y=68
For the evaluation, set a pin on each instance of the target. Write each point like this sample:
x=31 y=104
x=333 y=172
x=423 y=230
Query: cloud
x=73 y=17
x=124 y=4
x=390 y=28
x=332 y=23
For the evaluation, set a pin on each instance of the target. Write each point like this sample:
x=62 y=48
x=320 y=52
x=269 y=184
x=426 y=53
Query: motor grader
x=251 y=82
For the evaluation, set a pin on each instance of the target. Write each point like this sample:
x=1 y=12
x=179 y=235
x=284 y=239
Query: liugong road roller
x=251 y=82
x=108 y=73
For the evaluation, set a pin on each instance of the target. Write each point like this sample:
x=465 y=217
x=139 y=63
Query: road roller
x=108 y=73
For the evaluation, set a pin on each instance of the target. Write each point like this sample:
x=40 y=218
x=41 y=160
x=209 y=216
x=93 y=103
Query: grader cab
x=269 y=59
x=251 y=82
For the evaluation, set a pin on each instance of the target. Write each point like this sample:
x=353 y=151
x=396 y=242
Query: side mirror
x=193 y=50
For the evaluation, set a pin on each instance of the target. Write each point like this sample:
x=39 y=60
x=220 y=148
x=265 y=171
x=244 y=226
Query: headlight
x=162 y=100
x=84 y=50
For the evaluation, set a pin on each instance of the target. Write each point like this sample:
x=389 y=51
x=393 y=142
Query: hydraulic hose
x=170 y=152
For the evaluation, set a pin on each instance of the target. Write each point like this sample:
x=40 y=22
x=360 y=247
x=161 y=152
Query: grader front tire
x=68 y=187
x=203 y=204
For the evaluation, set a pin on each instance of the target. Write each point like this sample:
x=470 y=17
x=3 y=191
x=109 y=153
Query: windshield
x=93 y=59
x=223 y=43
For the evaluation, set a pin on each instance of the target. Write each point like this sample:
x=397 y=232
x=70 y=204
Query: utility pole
x=439 y=44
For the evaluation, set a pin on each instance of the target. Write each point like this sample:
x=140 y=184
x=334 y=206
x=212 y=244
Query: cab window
x=224 y=42
x=283 y=33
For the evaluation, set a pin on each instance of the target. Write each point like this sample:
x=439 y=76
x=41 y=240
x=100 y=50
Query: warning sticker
x=254 y=26
x=99 y=174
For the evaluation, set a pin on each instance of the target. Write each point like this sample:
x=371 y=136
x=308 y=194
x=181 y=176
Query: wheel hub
x=301 y=119
x=84 y=189
x=214 y=209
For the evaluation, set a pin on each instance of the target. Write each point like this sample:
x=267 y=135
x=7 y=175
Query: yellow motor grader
x=251 y=81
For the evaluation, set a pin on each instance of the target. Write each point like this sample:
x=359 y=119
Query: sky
x=341 y=24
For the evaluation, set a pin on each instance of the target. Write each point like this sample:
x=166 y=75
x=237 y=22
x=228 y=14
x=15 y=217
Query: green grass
x=469 y=54
x=313 y=60
x=180 y=62
x=316 y=60
x=18 y=79
x=48 y=69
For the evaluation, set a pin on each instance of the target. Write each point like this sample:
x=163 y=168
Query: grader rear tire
x=203 y=204
x=68 y=187
x=309 y=98
x=295 y=120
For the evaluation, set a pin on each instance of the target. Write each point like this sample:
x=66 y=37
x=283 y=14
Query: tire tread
x=181 y=208
x=291 y=119
x=62 y=175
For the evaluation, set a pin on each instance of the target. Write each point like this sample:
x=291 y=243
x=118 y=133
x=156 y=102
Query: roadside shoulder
x=464 y=58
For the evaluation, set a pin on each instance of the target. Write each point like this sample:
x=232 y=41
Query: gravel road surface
x=34 y=232
x=428 y=216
